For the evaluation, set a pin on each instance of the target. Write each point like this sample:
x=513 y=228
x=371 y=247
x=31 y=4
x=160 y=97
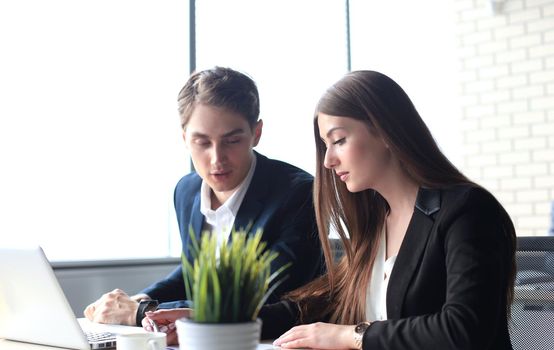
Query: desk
x=13 y=345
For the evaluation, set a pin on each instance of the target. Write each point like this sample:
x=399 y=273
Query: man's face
x=220 y=144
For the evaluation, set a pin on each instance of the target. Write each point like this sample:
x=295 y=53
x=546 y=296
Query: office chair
x=532 y=323
x=336 y=248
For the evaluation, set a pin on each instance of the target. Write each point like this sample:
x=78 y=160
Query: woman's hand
x=165 y=320
x=318 y=336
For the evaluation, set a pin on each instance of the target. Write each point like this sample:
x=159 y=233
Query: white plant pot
x=218 y=336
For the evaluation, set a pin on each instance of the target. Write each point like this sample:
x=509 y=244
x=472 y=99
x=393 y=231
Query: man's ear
x=257 y=132
x=184 y=134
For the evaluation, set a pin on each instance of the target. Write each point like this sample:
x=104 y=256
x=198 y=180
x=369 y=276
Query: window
x=292 y=49
x=414 y=47
x=90 y=142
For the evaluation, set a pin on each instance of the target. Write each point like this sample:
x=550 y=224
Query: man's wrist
x=143 y=307
x=140 y=297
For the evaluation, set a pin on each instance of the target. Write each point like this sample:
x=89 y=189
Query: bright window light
x=293 y=50
x=90 y=143
x=412 y=42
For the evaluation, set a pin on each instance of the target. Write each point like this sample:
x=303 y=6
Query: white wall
x=506 y=94
x=85 y=284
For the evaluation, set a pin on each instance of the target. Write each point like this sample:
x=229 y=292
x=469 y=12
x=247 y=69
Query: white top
x=220 y=221
x=376 y=297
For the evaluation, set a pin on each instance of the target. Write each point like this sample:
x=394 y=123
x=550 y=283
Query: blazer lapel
x=411 y=250
x=196 y=217
x=252 y=203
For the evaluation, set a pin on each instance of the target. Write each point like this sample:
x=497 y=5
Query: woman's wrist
x=358 y=334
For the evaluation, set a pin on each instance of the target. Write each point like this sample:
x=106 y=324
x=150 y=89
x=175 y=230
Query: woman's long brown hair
x=358 y=218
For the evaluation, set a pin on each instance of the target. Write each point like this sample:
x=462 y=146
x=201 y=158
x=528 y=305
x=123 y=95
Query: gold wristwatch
x=359 y=331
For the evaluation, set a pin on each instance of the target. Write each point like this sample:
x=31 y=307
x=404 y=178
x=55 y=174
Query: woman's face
x=358 y=158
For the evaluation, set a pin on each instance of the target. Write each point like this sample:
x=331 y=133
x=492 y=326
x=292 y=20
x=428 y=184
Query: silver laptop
x=33 y=307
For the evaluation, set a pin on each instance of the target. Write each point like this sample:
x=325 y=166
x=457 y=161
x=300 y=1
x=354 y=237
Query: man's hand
x=115 y=307
x=165 y=319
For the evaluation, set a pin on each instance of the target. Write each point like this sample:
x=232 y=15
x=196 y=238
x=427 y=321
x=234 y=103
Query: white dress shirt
x=220 y=221
x=376 y=297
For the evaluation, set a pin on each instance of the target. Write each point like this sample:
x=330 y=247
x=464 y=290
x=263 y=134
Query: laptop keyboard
x=102 y=340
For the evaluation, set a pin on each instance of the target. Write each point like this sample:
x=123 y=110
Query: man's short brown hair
x=220 y=87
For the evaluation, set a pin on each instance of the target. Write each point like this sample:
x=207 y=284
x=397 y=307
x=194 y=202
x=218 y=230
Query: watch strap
x=144 y=306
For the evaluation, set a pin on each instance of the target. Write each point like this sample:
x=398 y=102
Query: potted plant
x=228 y=284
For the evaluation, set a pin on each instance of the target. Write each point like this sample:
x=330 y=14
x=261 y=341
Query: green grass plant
x=229 y=283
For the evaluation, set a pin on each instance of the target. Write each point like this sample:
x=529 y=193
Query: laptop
x=33 y=307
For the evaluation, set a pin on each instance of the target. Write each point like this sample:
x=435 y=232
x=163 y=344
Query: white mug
x=141 y=341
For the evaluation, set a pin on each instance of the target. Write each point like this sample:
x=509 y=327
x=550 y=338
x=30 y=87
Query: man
x=232 y=187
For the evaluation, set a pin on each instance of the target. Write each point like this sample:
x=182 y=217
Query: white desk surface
x=13 y=345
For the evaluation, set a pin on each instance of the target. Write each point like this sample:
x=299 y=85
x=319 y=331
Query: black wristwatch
x=145 y=305
x=359 y=331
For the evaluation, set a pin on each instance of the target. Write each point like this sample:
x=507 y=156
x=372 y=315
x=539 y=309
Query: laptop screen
x=34 y=308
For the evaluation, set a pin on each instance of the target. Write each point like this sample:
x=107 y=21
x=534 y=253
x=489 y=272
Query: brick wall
x=506 y=62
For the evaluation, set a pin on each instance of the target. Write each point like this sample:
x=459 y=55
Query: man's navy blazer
x=279 y=200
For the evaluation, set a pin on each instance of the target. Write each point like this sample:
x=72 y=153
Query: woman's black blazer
x=447 y=289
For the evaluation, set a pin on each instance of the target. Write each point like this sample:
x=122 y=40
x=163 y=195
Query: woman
x=429 y=256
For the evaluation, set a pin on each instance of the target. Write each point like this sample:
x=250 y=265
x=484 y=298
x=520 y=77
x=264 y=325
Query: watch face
x=359 y=333
x=361 y=327
x=152 y=305
x=145 y=305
